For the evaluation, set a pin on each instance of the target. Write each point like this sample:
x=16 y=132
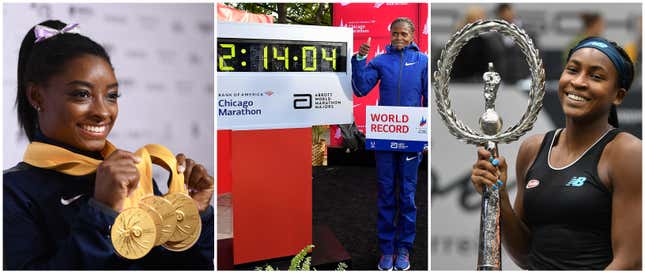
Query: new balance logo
x=576 y=181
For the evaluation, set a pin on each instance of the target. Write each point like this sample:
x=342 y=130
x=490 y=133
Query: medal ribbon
x=134 y=232
x=52 y=157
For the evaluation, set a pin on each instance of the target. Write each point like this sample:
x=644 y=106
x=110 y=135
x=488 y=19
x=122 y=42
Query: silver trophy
x=489 y=257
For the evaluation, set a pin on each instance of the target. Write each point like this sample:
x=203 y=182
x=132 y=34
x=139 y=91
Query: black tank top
x=568 y=210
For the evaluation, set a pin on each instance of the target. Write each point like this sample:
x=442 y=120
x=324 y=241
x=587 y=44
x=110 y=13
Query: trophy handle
x=490 y=244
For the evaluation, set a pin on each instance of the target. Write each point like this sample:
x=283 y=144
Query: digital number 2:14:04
x=267 y=57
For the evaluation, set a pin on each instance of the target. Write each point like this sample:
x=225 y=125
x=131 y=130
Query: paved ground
x=345 y=199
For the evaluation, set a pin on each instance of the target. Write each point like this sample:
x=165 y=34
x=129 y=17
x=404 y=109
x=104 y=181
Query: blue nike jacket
x=403 y=75
x=404 y=82
x=47 y=225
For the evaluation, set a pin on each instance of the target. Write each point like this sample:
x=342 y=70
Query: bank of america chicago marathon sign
x=390 y=128
x=267 y=109
x=244 y=105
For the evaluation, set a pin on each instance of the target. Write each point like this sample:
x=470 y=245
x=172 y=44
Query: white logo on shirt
x=70 y=200
x=532 y=183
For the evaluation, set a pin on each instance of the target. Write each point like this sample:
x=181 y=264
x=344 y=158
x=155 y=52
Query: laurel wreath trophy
x=489 y=253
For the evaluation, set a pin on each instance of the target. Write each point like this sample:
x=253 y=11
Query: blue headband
x=611 y=52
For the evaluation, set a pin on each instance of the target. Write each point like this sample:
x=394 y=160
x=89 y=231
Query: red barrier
x=224 y=154
x=269 y=175
x=271 y=193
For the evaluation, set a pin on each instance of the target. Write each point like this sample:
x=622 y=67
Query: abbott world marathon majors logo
x=239 y=103
x=319 y=100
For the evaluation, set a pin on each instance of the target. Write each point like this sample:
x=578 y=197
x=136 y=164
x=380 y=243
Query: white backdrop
x=163 y=59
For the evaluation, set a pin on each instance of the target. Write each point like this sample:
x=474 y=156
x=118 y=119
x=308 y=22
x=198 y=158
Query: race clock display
x=272 y=55
x=277 y=76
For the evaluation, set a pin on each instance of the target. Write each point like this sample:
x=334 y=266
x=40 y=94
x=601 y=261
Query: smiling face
x=589 y=86
x=401 y=35
x=79 y=105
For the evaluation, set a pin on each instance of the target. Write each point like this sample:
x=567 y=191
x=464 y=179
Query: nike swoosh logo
x=65 y=202
x=357 y=105
x=409 y=64
x=410 y=159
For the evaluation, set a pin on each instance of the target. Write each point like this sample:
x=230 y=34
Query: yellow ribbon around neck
x=64 y=161
x=134 y=236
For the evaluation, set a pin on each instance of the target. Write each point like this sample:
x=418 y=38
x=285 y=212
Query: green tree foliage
x=291 y=13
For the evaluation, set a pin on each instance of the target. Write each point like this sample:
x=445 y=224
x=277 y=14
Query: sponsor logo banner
x=271 y=102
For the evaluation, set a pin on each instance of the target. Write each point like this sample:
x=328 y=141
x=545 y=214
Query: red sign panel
x=373 y=20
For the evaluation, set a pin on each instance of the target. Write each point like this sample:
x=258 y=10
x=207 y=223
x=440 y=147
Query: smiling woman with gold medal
x=76 y=201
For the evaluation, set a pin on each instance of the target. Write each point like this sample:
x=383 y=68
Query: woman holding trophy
x=578 y=203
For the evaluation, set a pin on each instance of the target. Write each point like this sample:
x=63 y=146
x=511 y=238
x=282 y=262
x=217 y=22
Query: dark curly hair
x=404 y=20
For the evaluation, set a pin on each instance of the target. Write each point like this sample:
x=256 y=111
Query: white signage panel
x=273 y=76
x=396 y=128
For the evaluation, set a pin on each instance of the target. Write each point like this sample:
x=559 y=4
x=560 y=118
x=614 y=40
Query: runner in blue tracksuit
x=403 y=73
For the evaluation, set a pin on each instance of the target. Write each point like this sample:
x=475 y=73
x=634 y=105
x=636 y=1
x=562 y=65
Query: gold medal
x=188 y=222
x=156 y=217
x=133 y=233
x=166 y=212
x=146 y=220
x=185 y=244
x=187 y=217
